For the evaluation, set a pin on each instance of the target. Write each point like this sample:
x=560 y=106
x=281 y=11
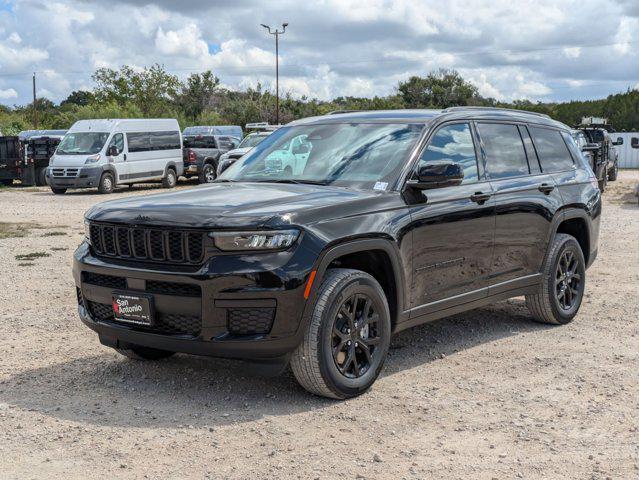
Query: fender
x=172 y=164
x=110 y=167
x=354 y=246
x=568 y=214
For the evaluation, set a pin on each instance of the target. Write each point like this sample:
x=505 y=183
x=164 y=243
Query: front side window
x=505 y=154
x=251 y=141
x=118 y=142
x=82 y=143
x=346 y=154
x=551 y=149
x=453 y=143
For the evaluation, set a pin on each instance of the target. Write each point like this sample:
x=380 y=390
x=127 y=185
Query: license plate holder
x=133 y=308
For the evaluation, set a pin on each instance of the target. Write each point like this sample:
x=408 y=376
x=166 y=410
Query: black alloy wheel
x=568 y=281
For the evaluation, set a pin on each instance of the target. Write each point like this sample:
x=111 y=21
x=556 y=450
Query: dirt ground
x=486 y=394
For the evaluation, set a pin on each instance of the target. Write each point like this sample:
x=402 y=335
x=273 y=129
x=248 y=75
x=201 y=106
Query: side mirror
x=437 y=175
x=619 y=141
x=634 y=142
x=113 y=151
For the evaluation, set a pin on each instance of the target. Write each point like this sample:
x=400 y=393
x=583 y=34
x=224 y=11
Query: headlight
x=92 y=159
x=247 y=241
x=87 y=232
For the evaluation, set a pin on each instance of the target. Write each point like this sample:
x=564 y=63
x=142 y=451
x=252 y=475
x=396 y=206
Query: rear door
x=526 y=200
x=452 y=227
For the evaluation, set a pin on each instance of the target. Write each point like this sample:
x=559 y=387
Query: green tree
x=441 y=89
x=196 y=94
x=79 y=97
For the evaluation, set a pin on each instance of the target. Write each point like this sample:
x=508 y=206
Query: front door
x=452 y=227
x=119 y=160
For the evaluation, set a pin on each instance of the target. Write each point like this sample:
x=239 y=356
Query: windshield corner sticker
x=380 y=186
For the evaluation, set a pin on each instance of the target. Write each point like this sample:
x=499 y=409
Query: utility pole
x=35 y=104
x=277 y=34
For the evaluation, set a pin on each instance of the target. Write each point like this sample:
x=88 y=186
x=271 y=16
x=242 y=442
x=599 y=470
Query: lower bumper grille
x=250 y=321
x=165 y=323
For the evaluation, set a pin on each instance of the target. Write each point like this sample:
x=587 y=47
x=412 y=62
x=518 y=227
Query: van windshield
x=82 y=143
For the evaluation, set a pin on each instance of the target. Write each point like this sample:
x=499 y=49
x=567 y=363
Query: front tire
x=58 y=191
x=107 y=183
x=563 y=284
x=170 y=179
x=137 y=352
x=207 y=175
x=612 y=174
x=347 y=339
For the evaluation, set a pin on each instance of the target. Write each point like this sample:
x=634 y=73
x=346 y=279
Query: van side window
x=118 y=141
x=148 y=141
x=505 y=154
x=453 y=143
x=138 y=142
x=552 y=150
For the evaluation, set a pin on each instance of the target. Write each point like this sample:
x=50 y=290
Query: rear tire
x=170 y=179
x=59 y=191
x=603 y=182
x=207 y=175
x=563 y=283
x=144 y=353
x=342 y=354
x=107 y=183
x=41 y=177
x=612 y=174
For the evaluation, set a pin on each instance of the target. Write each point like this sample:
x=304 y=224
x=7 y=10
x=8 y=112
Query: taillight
x=191 y=157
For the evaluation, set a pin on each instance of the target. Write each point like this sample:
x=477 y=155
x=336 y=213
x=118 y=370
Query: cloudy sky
x=537 y=49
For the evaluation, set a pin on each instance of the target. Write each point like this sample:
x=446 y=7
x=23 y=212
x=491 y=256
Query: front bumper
x=74 y=177
x=253 y=287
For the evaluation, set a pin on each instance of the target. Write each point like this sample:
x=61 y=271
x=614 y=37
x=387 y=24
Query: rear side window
x=453 y=143
x=200 y=141
x=150 y=141
x=505 y=154
x=551 y=150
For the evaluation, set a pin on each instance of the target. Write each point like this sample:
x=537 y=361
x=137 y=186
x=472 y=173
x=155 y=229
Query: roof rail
x=261 y=126
x=338 y=112
x=454 y=109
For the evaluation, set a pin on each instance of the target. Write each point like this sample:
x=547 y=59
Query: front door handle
x=480 y=197
x=546 y=188
x=125 y=157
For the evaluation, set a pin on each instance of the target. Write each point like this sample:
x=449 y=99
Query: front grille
x=104 y=280
x=65 y=172
x=170 y=288
x=250 y=321
x=131 y=243
x=165 y=323
x=78 y=293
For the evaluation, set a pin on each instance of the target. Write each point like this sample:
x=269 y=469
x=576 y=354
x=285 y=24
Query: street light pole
x=277 y=34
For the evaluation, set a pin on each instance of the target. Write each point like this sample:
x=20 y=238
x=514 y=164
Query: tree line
x=201 y=100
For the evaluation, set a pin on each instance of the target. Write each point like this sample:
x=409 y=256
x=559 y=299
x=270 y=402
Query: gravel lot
x=486 y=394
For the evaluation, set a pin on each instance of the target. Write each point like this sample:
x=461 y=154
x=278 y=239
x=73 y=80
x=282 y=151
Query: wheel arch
x=574 y=222
x=378 y=257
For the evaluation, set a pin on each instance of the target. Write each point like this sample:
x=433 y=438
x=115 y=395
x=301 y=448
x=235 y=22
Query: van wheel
x=136 y=352
x=41 y=177
x=170 y=179
x=107 y=183
x=347 y=338
x=563 y=283
x=59 y=191
x=207 y=175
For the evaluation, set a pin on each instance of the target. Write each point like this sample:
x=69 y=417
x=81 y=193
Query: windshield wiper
x=290 y=180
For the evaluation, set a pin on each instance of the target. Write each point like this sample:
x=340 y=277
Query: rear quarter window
x=552 y=150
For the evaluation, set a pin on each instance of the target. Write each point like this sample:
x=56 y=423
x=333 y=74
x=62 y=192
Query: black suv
x=392 y=219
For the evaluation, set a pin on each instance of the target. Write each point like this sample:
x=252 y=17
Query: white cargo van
x=106 y=153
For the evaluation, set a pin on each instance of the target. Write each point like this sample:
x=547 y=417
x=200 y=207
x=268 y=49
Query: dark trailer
x=10 y=156
x=39 y=146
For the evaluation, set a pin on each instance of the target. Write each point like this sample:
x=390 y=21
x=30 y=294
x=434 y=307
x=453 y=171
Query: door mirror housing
x=619 y=141
x=113 y=151
x=437 y=175
x=634 y=142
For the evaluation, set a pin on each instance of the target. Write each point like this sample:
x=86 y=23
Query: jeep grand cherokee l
x=396 y=219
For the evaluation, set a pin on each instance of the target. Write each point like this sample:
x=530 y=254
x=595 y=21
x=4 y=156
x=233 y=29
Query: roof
x=428 y=115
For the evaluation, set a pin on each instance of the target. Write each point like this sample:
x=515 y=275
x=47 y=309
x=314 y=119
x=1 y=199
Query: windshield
x=335 y=153
x=251 y=141
x=82 y=143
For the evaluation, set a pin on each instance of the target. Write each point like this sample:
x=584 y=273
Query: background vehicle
x=291 y=157
x=10 y=160
x=250 y=141
x=203 y=147
x=105 y=153
x=604 y=158
x=397 y=218
x=38 y=147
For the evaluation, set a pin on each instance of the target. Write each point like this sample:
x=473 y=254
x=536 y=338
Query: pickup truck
x=201 y=154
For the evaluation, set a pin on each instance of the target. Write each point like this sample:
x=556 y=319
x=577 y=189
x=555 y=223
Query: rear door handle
x=546 y=188
x=480 y=197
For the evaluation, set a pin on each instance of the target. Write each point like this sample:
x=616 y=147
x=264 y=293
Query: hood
x=68 y=160
x=238 y=152
x=235 y=205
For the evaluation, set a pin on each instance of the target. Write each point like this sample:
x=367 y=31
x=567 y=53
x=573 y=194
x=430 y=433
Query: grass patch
x=32 y=256
x=59 y=249
x=26 y=264
x=14 y=230
x=54 y=234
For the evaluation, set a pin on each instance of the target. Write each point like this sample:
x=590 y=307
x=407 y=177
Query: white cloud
x=8 y=94
x=186 y=41
x=572 y=52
